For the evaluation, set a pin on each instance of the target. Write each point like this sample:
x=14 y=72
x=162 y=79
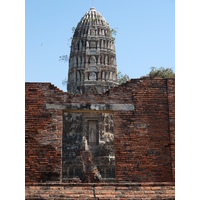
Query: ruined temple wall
x=171 y=109
x=136 y=191
x=149 y=133
x=43 y=137
x=142 y=138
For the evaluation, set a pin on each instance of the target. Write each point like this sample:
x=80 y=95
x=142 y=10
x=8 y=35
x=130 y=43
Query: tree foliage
x=112 y=31
x=64 y=82
x=64 y=58
x=122 y=78
x=161 y=72
x=73 y=30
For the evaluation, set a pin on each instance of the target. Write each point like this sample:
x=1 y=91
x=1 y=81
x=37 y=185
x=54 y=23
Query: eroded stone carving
x=78 y=78
x=92 y=60
x=92 y=76
x=84 y=144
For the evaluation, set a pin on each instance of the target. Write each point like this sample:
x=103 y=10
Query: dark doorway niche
x=93 y=133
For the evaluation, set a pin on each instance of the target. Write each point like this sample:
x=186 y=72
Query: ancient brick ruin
x=143 y=127
x=99 y=140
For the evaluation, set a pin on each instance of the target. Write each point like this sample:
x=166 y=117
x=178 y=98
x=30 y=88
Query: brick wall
x=136 y=191
x=43 y=138
x=143 y=149
x=144 y=138
x=171 y=109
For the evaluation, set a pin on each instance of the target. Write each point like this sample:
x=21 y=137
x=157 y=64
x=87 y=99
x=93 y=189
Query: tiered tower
x=92 y=62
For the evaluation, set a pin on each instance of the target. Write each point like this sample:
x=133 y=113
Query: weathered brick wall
x=171 y=108
x=43 y=138
x=134 y=191
x=144 y=139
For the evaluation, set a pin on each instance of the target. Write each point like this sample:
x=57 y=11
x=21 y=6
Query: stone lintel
x=91 y=107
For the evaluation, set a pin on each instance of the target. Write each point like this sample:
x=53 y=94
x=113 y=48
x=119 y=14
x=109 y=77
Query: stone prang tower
x=92 y=62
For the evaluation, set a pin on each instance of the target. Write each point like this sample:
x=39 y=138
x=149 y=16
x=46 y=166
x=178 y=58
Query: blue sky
x=145 y=35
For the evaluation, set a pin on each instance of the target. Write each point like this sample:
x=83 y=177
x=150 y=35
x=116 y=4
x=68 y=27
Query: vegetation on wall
x=161 y=72
x=122 y=78
x=112 y=31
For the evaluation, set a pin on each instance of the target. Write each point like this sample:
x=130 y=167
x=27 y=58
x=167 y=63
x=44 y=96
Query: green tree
x=112 y=31
x=161 y=72
x=122 y=78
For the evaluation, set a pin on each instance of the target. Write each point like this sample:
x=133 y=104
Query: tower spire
x=92 y=62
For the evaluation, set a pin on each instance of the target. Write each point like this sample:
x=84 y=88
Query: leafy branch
x=63 y=58
x=112 y=31
x=122 y=78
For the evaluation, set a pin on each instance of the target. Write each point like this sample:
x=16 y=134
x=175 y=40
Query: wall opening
x=88 y=146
